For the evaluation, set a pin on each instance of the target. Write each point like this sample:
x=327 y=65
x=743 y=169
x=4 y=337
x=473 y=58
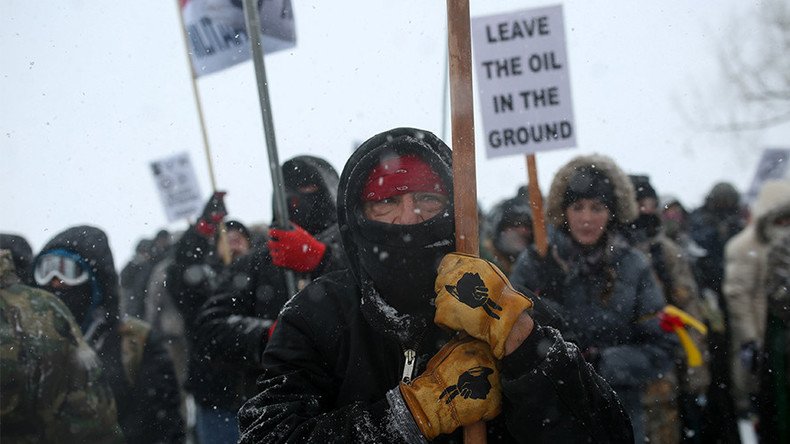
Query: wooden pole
x=195 y=93
x=463 y=128
x=536 y=202
x=463 y=144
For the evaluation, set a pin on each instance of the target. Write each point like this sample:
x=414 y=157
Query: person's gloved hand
x=460 y=386
x=212 y=215
x=474 y=296
x=750 y=356
x=295 y=249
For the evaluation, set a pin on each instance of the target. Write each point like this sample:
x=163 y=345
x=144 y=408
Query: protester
x=21 y=254
x=774 y=390
x=234 y=326
x=510 y=231
x=603 y=288
x=673 y=403
x=50 y=379
x=348 y=360
x=134 y=280
x=711 y=226
x=77 y=266
x=744 y=286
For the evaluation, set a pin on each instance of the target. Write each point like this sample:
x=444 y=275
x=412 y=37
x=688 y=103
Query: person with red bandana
x=369 y=353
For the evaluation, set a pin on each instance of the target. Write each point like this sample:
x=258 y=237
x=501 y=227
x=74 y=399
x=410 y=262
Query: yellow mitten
x=460 y=386
x=472 y=295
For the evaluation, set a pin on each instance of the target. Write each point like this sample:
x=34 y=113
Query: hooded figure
x=509 y=231
x=603 y=288
x=77 y=266
x=233 y=326
x=744 y=284
x=341 y=362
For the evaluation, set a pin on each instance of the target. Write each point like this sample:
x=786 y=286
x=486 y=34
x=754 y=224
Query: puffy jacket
x=744 y=278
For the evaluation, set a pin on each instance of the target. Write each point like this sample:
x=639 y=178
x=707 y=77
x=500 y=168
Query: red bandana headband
x=400 y=175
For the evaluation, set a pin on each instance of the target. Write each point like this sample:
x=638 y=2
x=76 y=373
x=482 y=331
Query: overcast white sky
x=91 y=92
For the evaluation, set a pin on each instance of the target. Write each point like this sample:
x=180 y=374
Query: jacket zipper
x=408 y=366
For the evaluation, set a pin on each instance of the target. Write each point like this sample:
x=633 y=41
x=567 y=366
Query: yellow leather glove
x=474 y=296
x=460 y=386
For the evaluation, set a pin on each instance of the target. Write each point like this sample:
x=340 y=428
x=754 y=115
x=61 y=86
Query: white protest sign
x=523 y=81
x=218 y=35
x=178 y=186
x=773 y=165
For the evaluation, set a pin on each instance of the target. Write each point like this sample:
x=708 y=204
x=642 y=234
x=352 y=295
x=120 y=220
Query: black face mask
x=77 y=299
x=312 y=211
x=649 y=224
x=402 y=260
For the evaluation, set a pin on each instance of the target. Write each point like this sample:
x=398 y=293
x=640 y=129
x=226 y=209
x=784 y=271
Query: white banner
x=523 y=81
x=218 y=36
x=178 y=186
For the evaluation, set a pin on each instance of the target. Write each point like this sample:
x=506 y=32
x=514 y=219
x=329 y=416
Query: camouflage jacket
x=51 y=385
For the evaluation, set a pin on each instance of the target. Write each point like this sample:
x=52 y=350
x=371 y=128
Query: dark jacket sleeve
x=158 y=417
x=297 y=394
x=561 y=398
x=189 y=277
x=233 y=325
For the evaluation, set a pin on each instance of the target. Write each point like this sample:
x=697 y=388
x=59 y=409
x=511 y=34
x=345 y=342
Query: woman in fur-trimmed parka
x=603 y=288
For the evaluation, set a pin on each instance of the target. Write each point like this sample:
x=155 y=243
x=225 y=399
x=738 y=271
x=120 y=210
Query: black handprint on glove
x=472 y=383
x=472 y=291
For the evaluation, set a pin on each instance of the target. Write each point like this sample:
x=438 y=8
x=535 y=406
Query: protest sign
x=217 y=35
x=178 y=186
x=523 y=81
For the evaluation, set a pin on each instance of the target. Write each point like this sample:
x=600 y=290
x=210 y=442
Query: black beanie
x=234 y=225
x=588 y=182
x=642 y=187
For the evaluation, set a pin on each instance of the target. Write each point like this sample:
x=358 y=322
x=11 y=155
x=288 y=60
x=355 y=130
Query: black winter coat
x=327 y=371
x=232 y=327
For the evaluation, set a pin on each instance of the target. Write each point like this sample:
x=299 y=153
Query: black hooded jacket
x=335 y=352
x=232 y=326
x=146 y=392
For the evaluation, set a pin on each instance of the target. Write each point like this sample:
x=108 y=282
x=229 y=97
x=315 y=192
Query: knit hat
x=642 y=187
x=398 y=175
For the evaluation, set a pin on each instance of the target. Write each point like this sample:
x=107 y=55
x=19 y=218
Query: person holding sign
x=368 y=354
x=603 y=288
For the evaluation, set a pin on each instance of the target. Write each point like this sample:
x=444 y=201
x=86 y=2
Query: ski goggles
x=66 y=269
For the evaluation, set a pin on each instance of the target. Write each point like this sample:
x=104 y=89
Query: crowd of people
x=358 y=322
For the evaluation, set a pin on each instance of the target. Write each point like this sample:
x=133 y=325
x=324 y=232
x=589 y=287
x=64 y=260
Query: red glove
x=295 y=249
x=668 y=322
x=213 y=213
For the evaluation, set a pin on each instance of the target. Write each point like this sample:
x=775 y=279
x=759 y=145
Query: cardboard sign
x=218 y=36
x=178 y=186
x=772 y=165
x=523 y=81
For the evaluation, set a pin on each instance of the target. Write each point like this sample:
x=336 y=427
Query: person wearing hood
x=603 y=288
x=713 y=224
x=51 y=382
x=234 y=324
x=77 y=266
x=673 y=403
x=744 y=286
x=509 y=231
x=359 y=355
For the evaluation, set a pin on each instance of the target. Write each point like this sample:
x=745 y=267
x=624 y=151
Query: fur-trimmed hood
x=772 y=202
x=625 y=199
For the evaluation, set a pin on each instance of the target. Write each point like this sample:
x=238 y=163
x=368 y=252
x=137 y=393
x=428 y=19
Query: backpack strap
x=134 y=336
